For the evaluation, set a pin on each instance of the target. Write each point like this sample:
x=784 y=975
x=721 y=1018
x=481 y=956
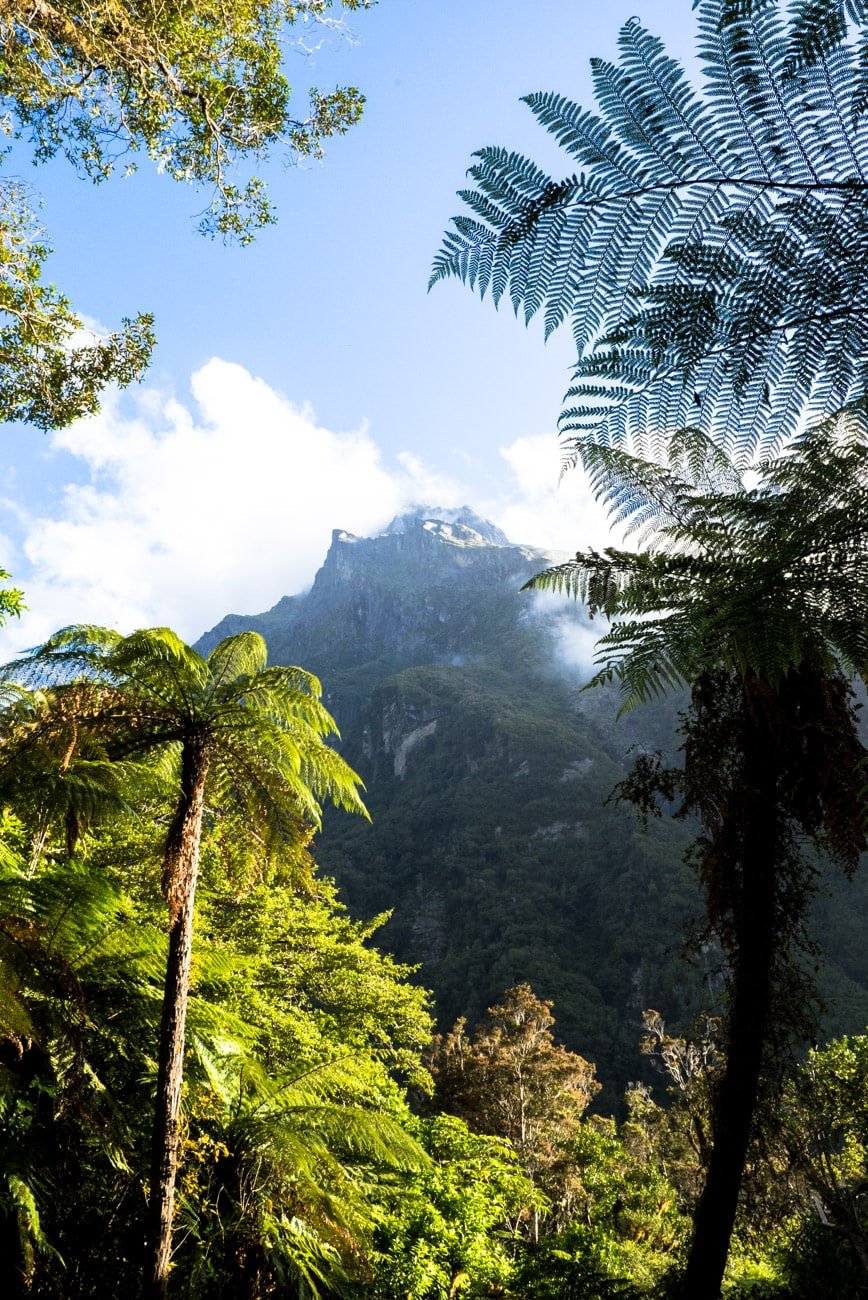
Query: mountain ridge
x=495 y=843
x=412 y=538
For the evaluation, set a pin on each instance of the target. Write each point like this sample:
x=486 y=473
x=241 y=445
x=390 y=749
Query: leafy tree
x=625 y=1227
x=299 y=1139
x=675 y=1140
x=11 y=599
x=575 y=1265
x=199 y=91
x=249 y=736
x=445 y=1232
x=825 y=1123
x=313 y=985
x=709 y=249
x=511 y=1079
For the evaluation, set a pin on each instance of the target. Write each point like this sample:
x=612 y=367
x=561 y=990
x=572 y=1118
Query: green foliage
x=197 y=90
x=302 y=1169
x=825 y=1130
x=279 y=1173
x=446 y=1233
x=512 y=1080
x=676 y=1135
x=312 y=984
x=149 y=693
x=300 y=1034
x=248 y=736
x=200 y=90
x=583 y=1263
x=52 y=368
x=793 y=547
x=631 y=1210
x=79 y=975
x=817 y=1267
x=11 y=600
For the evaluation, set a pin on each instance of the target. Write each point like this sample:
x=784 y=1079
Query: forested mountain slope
x=488 y=775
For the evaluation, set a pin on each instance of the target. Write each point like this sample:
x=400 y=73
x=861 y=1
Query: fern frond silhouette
x=755 y=581
x=709 y=246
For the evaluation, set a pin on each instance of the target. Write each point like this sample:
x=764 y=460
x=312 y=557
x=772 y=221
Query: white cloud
x=575 y=635
x=178 y=515
x=545 y=509
x=559 y=512
x=185 y=516
x=577 y=645
x=424 y=486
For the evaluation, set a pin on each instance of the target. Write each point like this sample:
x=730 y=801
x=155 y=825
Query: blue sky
x=308 y=382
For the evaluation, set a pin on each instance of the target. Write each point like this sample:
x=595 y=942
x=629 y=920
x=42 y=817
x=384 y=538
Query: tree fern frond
x=706 y=240
x=685 y=125
x=753 y=581
x=242 y=655
x=584 y=136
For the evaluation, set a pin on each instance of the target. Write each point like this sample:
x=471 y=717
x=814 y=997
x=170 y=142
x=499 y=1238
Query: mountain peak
x=413 y=591
x=458 y=526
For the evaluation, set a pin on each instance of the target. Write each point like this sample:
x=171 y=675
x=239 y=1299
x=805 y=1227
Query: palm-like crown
x=754 y=581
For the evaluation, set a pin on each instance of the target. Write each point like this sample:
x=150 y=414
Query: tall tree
x=509 y=1078
x=755 y=600
x=244 y=734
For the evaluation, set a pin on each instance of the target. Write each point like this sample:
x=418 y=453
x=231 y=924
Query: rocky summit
x=496 y=842
x=414 y=594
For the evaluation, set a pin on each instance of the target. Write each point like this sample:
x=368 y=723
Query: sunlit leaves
x=201 y=90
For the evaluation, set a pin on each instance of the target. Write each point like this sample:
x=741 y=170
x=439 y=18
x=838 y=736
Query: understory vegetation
x=326 y=1142
x=329 y=1144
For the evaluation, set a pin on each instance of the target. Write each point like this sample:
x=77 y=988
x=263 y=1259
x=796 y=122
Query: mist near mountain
x=496 y=844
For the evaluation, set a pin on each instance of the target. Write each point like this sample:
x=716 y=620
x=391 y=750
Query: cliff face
x=488 y=775
x=418 y=592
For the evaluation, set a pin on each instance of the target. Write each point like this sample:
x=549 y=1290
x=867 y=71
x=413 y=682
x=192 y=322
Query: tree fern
x=754 y=599
x=79 y=983
x=241 y=733
x=291 y=1192
x=709 y=252
x=757 y=580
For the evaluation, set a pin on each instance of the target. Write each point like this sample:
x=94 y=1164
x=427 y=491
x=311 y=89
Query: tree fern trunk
x=748 y=1021
x=180 y=869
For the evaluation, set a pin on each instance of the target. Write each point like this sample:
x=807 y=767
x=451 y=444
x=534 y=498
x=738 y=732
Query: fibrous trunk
x=754 y=934
x=180 y=869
